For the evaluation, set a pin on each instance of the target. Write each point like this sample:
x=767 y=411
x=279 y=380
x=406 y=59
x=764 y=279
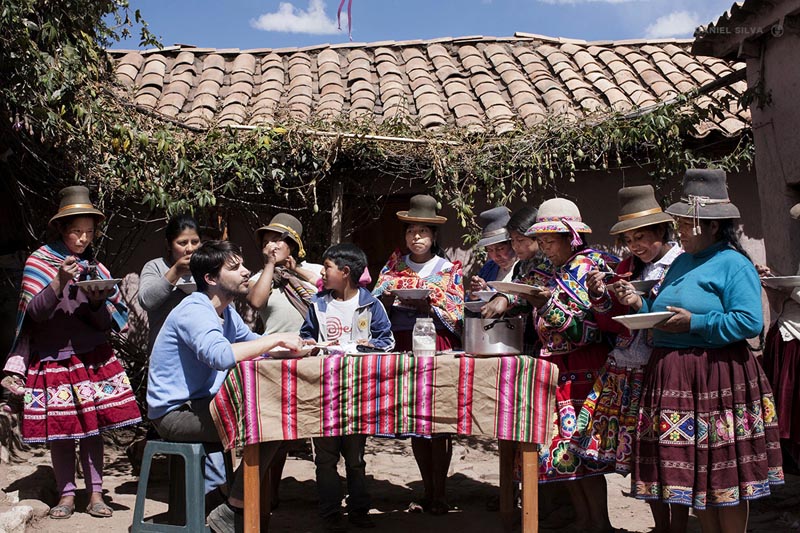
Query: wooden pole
x=252 y=488
x=530 y=488
x=507 y=507
x=337 y=212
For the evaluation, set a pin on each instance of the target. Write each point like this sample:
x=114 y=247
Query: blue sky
x=272 y=24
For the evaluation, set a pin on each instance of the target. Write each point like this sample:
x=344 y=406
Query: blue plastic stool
x=190 y=483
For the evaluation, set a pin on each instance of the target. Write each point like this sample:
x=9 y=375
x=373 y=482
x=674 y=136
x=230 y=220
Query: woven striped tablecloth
x=510 y=398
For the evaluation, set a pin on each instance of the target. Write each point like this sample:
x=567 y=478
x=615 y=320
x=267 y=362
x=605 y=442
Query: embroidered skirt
x=708 y=430
x=578 y=371
x=606 y=424
x=77 y=397
x=782 y=364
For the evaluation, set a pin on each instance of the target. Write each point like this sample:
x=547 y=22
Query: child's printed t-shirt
x=339 y=319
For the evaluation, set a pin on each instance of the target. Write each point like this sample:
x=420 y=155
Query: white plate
x=97 y=284
x=188 y=287
x=484 y=295
x=516 y=288
x=643 y=320
x=778 y=282
x=283 y=353
x=475 y=306
x=411 y=294
x=644 y=286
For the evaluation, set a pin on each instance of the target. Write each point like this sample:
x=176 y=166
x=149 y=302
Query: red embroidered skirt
x=577 y=372
x=77 y=397
x=782 y=366
x=708 y=430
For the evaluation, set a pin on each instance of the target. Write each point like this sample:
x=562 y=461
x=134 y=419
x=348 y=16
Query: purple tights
x=62 y=453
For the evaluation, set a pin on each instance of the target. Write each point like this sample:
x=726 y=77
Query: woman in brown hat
x=74 y=386
x=708 y=434
x=425 y=267
x=607 y=422
x=281 y=293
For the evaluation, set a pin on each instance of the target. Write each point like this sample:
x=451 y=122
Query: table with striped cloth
x=510 y=398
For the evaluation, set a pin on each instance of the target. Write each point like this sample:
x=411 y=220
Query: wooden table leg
x=507 y=504
x=252 y=488
x=530 y=487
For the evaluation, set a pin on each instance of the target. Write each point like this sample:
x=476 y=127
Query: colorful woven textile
x=447 y=296
x=78 y=397
x=40 y=269
x=509 y=398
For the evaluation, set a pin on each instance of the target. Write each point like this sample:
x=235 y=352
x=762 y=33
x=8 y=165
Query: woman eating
x=74 y=386
x=708 y=433
x=425 y=267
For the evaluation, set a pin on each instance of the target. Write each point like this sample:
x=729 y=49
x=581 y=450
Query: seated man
x=201 y=339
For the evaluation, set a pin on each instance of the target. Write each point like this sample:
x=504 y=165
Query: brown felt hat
x=422 y=209
x=75 y=201
x=638 y=208
x=287 y=225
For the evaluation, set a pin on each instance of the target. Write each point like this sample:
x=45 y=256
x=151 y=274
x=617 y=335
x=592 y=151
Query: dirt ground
x=393 y=481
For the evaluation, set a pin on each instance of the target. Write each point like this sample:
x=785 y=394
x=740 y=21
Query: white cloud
x=676 y=24
x=290 y=19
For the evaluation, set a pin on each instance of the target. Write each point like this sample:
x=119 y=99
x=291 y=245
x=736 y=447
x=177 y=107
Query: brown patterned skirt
x=708 y=430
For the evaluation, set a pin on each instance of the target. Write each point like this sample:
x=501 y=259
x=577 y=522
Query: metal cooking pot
x=493 y=336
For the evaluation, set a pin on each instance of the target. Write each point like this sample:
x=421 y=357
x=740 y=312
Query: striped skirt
x=708 y=430
x=77 y=397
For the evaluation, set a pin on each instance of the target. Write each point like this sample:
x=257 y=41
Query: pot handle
x=507 y=322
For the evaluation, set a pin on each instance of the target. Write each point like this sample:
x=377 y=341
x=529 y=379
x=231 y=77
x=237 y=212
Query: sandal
x=419 y=507
x=100 y=510
x=61 y=512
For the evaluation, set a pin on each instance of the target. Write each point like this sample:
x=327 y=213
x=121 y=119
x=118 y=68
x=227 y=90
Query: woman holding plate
x=782 y=357
x=166 y=281
x=497 y=242
x=708 y=433
x=74 y=386
x=607 y=422
x=572 y=340
x=425 y=267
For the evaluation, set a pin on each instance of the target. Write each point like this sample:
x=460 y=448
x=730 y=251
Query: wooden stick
x=365 y=137
x=530 y=488
x=507 y=507
x=252 y=488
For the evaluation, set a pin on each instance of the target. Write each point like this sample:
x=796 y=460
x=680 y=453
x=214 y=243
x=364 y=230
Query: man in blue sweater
x=201 y=339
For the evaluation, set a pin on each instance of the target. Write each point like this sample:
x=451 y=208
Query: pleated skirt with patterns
x=782 y=365
x=708 y=430
x=78 y=397
x=577 y=373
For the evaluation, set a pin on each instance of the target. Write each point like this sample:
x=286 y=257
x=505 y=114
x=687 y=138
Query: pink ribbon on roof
x=349 y=17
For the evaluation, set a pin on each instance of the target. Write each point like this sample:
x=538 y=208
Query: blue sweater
x=721 y=289
x=370 y=321
x=192 y=354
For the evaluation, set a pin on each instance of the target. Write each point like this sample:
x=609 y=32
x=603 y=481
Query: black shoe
x=334 y=523
x=226 y=519
x=360 y=519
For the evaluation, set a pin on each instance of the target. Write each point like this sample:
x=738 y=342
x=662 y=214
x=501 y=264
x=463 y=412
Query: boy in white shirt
x=349 y=314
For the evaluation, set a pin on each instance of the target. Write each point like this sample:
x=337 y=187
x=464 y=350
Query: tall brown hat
x=705 y=196
x=422 y=209
x=638 y=208
x=288 y=225
x=75 y=201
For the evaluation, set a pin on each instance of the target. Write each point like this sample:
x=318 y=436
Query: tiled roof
x=750 y=19
x=475 y=82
